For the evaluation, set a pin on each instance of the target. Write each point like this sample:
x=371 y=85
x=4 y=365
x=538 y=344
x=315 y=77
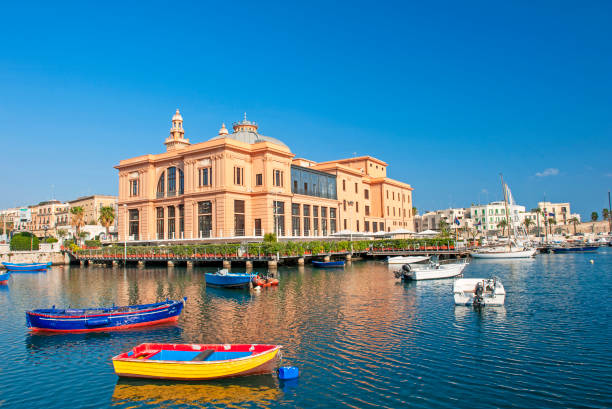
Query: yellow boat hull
x=176 y=370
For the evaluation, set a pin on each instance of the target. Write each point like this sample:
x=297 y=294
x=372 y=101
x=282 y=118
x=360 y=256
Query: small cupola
x=176 y=140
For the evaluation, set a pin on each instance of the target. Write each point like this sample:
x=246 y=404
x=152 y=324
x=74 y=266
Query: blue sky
x=450 y=94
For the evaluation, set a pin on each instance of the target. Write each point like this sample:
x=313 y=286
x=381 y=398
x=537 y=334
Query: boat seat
x=225 y=355
x=203 y=355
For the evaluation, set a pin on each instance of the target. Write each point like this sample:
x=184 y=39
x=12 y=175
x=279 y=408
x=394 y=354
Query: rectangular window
x=366 y=226
x=171 y=222
x=311 y=182
x=305 y=188
x=357 y=225
x=315 y=220
x=344 y=224
x=356 y=188
x=343 y=185
x=382 y=226
x=204 y=218
x=181 y=221
x=205 y=177
x=239 y=218
x=134 y=223
x=306 y=213
x=171 y=180
x=356 y=207
x=324 y=221
x=393 y=195
x=278 y=178
x=366 y=194
x=238 y=175
x=344 y=204
x=279 y=218
x=258 y=179
x=258 y=231
x=332 y=220
x=387 y=194
x=387 y=210
x=160 y=223
x=367 y=210
x=374 y=227
x=295 y=219
x=394 y=212
x=134 y=187
x=295 y=186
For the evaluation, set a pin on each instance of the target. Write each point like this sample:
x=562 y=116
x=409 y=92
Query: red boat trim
x=114 y=314
x=3 y=282
x=120 y=327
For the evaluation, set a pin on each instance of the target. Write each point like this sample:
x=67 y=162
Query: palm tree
x=503 y=223
x=443 y=228
x=605 y=214
x=551 y=222
x=574 y=221
x=527 y=222
x=594 y=216
x=107 y=217
x=77 y=219
x=538 y=212
x=414 y=211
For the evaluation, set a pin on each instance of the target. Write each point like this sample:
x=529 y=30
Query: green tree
x=414 y=211
x=605 y=214
x=61 y=233
x=444 y=232
x=503 y=223
x=527 y=222
x=551 y=222
x=538 y=213
x=594 y=216
x=574 y=221
x=24 y=241
x=77 y=219
x=107 y=217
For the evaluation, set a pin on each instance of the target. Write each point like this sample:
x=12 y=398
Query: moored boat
x=103 y=319
x=223 y=278
x=16 y=267
x=430 y=272
x=407 y=259
x=264 y=281
x=4 y=278
x=327 y=264
x=190 y=362
x=479 y=291
x=504 y=253
x=574 y=249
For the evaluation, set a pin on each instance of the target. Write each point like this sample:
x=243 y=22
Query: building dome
x=177 y=116
x=246 y=132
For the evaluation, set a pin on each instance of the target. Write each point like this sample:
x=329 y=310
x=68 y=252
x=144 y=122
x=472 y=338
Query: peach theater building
x=244 y=184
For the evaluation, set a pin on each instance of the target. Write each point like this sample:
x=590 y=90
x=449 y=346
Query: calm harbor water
x=360 y=338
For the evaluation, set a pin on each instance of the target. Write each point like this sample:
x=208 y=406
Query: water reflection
x=238 y=392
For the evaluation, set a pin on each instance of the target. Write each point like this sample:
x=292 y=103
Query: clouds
x=548 y=172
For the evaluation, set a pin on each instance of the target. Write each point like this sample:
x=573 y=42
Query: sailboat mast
x=506 y=206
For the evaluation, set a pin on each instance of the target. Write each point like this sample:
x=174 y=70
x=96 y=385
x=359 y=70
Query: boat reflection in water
x=255 y=390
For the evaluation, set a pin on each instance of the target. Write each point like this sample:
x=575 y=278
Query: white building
x=431 y=220
x=558 y=211
x=487 y=217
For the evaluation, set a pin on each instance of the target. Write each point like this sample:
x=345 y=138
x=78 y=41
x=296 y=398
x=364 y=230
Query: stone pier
x=272 y=264
x=300 y=261
x=326 y=258
x=170 y=263
x=190 y=264
x=227 y=264
x=141 y=264
x=249 y=264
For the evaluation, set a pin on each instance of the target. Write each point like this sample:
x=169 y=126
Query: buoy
x=288 y=372
x=592 y=261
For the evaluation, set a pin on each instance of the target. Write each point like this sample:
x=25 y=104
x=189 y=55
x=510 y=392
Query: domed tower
x=244 y=125
x=176 y=140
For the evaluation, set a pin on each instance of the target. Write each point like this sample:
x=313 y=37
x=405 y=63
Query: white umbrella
x=402 y=231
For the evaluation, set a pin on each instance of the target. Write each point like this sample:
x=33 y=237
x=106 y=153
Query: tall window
x=134 y=223
x=366 y=226
x=356 y=207
x=278 y=178
x=306 y=213
x=357 y=225
x=160 y=223
x=315 y=220
x=239 y=217
x=332 y=220
x=205 y=177
x=366 y=194
x=181 y=182
x=382 y=226
x=295 y=219
x=171 y=181
x=374 y=227
x=324 y=221
x=181 y=221
x=161 y=185
x=171 y=222
x=258 y=179
x=344 y=204
x=343 y=185
x=204 y=218
x=367 y=210
x=279 y=218
x=356 y=188
x=134 y=187
x=238 y=175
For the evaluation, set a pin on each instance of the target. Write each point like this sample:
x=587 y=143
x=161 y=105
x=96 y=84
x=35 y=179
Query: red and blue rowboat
x=327 y=264
x=4 y=278
x=103 y=319
x=16 y=267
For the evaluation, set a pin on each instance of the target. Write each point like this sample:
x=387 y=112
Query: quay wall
x=54 y=257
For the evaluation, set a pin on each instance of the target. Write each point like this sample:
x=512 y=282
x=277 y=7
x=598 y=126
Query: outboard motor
x=406 y=268
x=478 y=293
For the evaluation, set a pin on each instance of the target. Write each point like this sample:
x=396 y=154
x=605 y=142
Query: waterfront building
x=558 y=211
x=244 y=183
x=487 y=217
x=91 y=207
x=47 y=217
x=431 y=220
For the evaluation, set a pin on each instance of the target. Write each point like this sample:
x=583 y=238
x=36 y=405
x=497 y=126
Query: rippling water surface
x=360 y=338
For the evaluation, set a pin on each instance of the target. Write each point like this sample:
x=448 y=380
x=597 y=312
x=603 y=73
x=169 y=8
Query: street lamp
x=125 y=233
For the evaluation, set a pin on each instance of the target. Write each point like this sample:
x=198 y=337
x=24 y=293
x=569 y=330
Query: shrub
x=93 y=243
x=270 y=238
x=24 y=242
x=50 y=240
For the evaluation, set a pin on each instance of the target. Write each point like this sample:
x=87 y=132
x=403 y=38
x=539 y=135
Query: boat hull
x=328 y=264
x=453 y=270
x=16 y=267
x=464 y=294
x=117 y=320
x=258 y=363
x=407 y=259
x=228 y=280
x=4 y=278
x=500 y=255
x=583 y=249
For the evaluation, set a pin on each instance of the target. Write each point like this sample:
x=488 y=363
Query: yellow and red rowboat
x=191 y=362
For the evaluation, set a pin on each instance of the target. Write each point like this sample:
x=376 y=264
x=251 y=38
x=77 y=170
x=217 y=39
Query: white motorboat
x=479 y=291
x=430 y=271
x=513 y=252
x=407 y=259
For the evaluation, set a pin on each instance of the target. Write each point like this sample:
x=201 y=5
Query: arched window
x=181 y=182
x=161 y=185
x=172 y=181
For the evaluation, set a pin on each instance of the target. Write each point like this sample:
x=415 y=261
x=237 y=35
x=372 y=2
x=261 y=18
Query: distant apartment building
x=453 y=217
x=244 y=183
x=47 y=217
x=15 y=219
x=91 y=206
x=487 y=217
x=558 y=211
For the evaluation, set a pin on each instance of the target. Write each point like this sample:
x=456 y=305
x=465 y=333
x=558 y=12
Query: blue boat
x=26 y=266
x=223 y=278
x=328 y=264
x=103 y=319
x=574 y=249
x=4 y=278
